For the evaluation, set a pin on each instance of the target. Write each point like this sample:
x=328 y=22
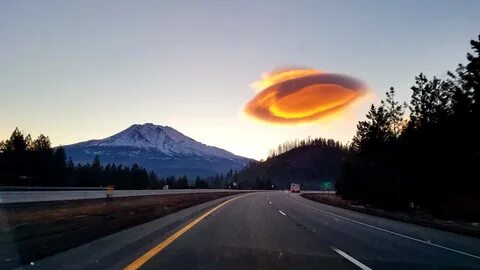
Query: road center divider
x=165 y=243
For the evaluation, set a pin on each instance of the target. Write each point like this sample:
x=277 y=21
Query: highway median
x=31 y=231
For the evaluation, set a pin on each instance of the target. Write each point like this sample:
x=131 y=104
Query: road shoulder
x=122 y=247
x=465 y=228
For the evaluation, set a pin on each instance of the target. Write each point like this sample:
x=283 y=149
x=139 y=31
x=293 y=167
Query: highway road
x=272 y=230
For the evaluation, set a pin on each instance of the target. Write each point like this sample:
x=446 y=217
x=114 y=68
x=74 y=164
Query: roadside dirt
x=31 y=231
x=417 y=217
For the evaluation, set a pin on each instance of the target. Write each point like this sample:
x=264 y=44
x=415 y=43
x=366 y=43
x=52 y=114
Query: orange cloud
x=302 y=95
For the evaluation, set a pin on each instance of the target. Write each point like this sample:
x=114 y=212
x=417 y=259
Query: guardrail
x=61 y=195
x=27 y=188
x=331 y=192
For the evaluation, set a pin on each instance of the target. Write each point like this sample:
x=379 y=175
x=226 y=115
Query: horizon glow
x=82 y=70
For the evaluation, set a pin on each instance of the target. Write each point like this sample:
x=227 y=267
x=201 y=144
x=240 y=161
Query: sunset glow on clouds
x=302 y=95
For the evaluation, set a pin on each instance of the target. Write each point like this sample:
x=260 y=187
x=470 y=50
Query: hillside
x=308 y=163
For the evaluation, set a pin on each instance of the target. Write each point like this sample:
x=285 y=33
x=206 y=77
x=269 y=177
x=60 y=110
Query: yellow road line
x=154 y=251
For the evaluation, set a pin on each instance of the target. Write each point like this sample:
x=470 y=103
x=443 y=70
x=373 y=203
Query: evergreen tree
x=182 y=182
x=430 y=103
x=471 y=75
x=395 y=112
x=374 y=132
x=42 y=143
x=17 y=142
x=60 y=164
x=2 y=147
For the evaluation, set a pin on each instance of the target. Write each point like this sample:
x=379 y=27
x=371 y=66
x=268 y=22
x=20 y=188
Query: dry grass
x=415 y=217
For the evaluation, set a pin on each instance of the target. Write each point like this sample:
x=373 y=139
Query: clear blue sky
x=77 y=70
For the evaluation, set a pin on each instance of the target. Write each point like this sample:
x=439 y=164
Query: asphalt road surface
x=272 y=230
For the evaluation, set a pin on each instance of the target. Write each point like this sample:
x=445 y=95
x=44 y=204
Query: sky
x=79 y=70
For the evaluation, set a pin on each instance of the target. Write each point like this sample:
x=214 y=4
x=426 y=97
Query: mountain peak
x=160 y=148
x=147 y=125
x=163 y=139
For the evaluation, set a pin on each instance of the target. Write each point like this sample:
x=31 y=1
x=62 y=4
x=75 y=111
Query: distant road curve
x=90 y=193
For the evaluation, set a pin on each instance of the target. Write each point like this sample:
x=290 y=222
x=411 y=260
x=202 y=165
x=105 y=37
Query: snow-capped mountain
x=159 y=148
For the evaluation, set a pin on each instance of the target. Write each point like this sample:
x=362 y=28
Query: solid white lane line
x=390 y=232
x=281 y=212
x=351 y=259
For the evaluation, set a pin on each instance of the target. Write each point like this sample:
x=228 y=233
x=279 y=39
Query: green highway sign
x=326 y=185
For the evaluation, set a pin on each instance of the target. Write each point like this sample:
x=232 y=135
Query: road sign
x=326 y=185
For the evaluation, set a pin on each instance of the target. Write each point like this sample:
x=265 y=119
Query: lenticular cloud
x=302 y=95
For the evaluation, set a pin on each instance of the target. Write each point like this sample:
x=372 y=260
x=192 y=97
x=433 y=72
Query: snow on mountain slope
x=163 y=139
x=160 y=148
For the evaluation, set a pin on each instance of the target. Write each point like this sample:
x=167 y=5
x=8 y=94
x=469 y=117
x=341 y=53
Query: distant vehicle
x=294 y=188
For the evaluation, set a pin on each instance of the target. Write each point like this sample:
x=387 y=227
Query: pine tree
x=70 y=164
x=395 y=112
x=374 y=132
x=471 y=76
x=59 y=164
x=430 y=103
x=96 y=165
x=42 y=143
x=17 y=142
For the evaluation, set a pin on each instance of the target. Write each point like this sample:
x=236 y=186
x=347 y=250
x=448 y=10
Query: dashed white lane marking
x=281 y=212
x=351 y=259
x=390 y=232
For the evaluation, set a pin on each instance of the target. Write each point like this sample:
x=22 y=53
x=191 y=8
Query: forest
x=27 y=162
x=423 y=154
x=308 y=162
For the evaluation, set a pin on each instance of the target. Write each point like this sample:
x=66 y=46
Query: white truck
x=294 y=188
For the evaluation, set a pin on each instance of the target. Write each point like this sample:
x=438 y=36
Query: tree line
x=27 y=162
x=423 y=154
x=307 y=162
x=299 y=143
